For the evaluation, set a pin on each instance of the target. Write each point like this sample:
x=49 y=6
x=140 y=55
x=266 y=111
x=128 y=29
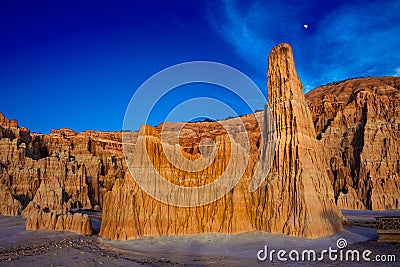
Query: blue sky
x=77 y=64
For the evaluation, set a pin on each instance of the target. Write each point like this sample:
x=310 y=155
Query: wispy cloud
x=235 y=26
x=397 y=72
x=344 y=38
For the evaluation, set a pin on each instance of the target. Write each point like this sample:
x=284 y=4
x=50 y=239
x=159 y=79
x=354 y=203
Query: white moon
x=305 y=26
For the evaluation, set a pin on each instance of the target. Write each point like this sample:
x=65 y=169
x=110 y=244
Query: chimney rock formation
x=299 y=196
x=298 y=200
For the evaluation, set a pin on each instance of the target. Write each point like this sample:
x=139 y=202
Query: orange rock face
x=299 y=190
x=340 y=143
x=9 y=129
x=49 y=196
x=129 y=212
x=358 y=123
x=9 y=206
x=50 y=210
x=297 y=199
x=49 y=174
x=85 y=164
x=52 y=220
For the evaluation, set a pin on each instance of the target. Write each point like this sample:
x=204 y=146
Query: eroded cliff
x=297 y=198
x=353 y=160
x=358 y=123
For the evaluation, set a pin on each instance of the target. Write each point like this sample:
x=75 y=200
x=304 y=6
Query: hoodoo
x=299 y=197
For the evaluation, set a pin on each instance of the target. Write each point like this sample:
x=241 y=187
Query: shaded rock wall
x=85 y=164
x=358 y=122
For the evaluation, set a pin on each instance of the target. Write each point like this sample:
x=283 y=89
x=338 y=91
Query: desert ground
x=19 y=247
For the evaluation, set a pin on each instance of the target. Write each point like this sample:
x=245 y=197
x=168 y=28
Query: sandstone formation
x=84 y=164
x=48 y=174
x=50 y=210
x=358 y=123
x=9 y=129
x=49 y=196
x=9 y=206
x=349 y=156
x=53 y=220
x=129 y=212
x=297 y=201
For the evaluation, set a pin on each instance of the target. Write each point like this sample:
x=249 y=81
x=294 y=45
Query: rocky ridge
x=357 y=129
x=47 y=175
x=358 y=123
x=85 y=164
x=298 y=190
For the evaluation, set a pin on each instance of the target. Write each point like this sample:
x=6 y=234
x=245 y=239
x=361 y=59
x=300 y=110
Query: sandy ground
x=19 y=247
